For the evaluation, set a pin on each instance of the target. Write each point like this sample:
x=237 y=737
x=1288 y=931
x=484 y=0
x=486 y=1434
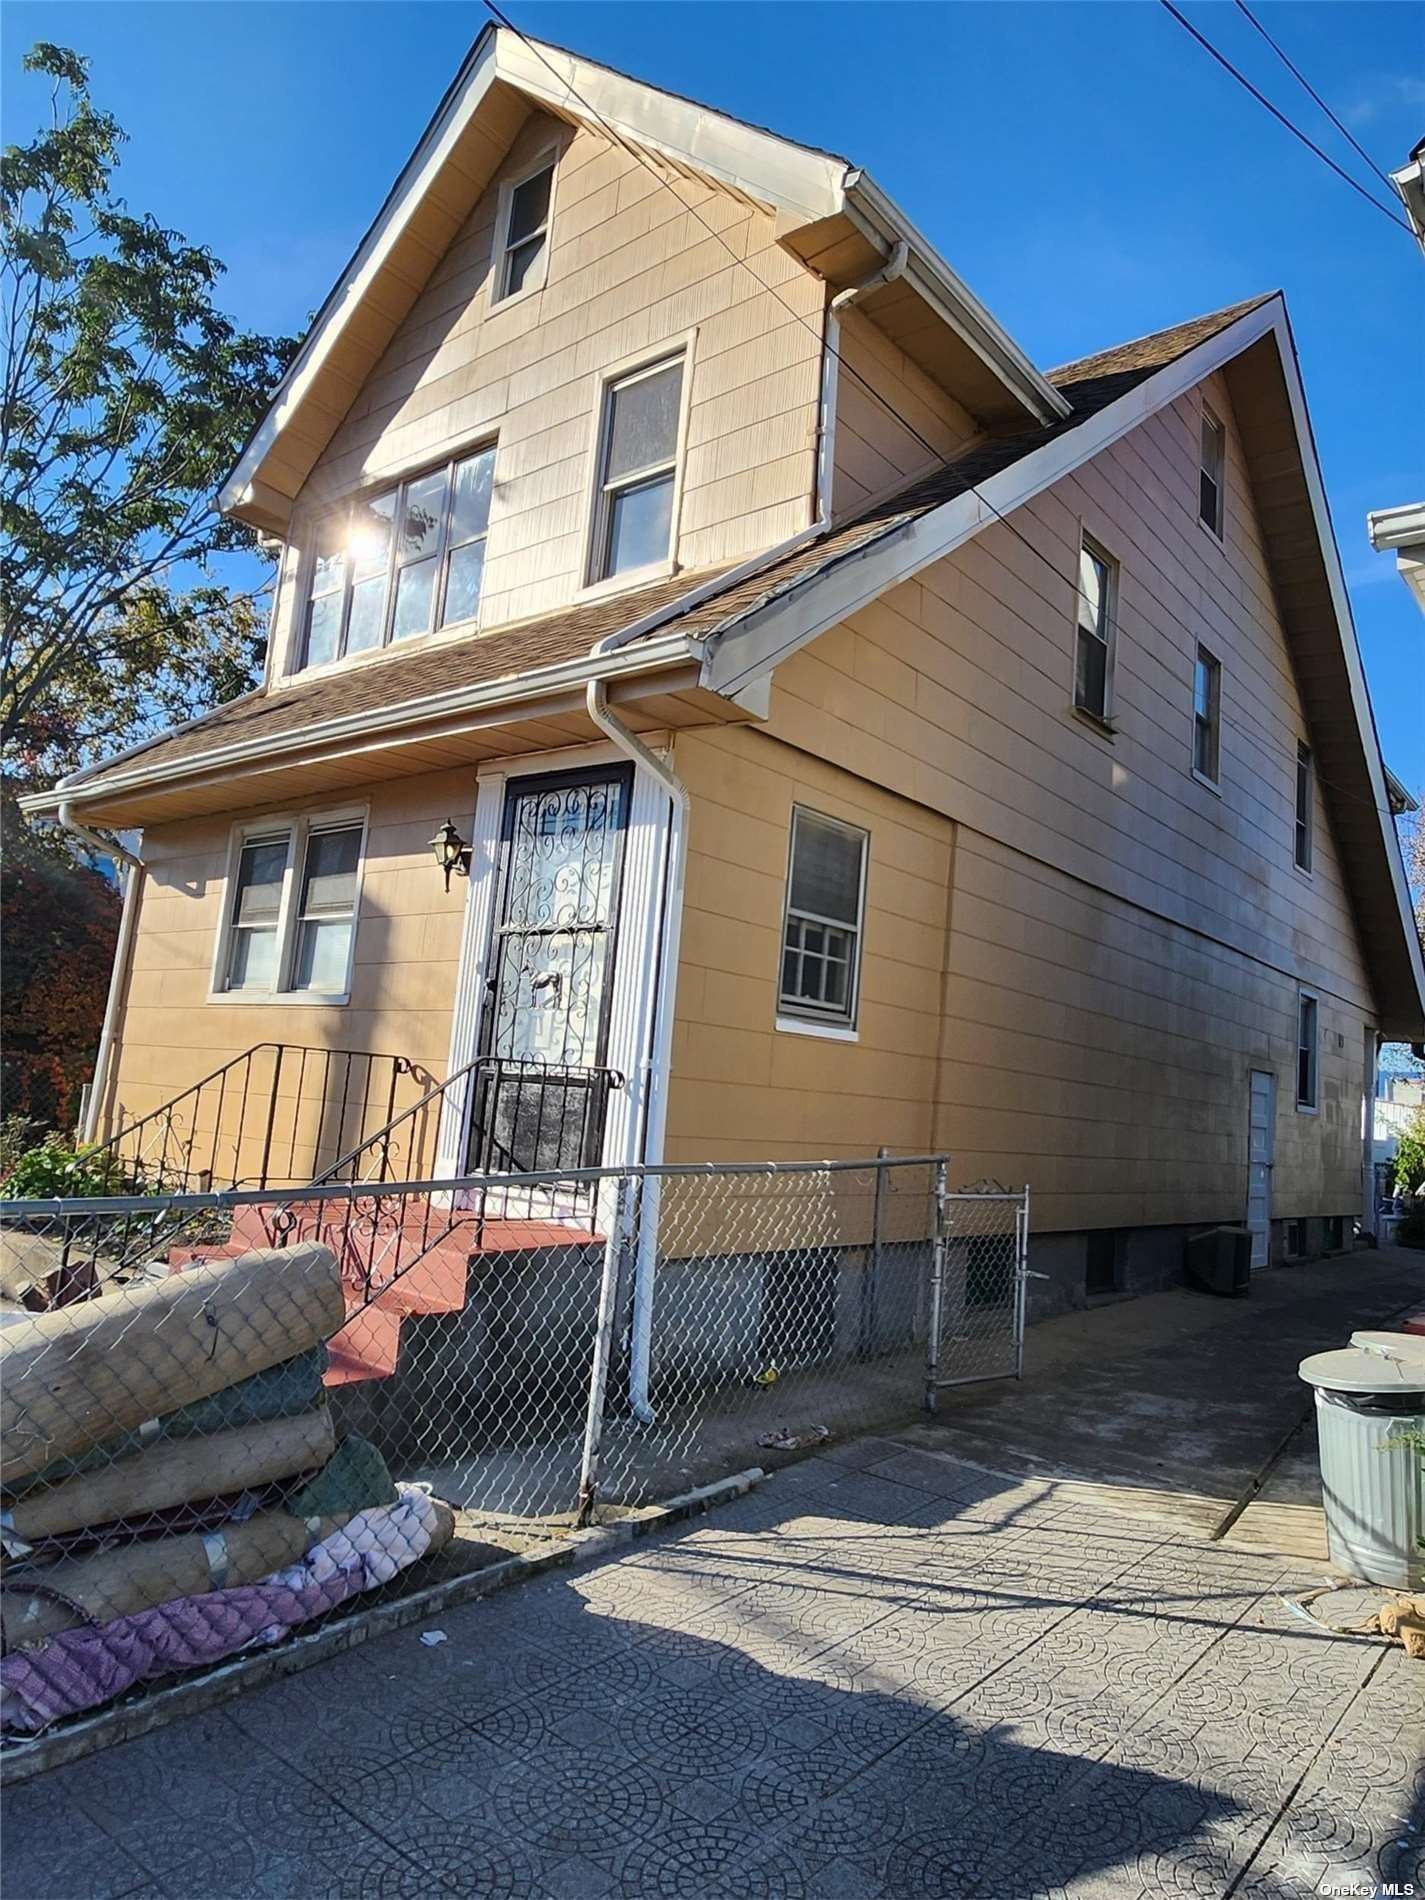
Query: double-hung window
x=1206 y=715
x=291 y=912
x=1095 y=600
x=525 y=240
x=638 y=461
x=400 y=563
x=1210 y=472
x=1306 y=1048
x=1305 y=799
x=821 y=937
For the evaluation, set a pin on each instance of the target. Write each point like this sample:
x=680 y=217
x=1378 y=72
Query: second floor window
x=1209 y=482
x=1305 y=798
x=1093 y=658
x=638 y=458
x=1206 y=714
x=402 y=563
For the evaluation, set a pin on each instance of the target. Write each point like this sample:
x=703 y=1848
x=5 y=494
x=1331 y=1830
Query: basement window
x=1101 y=1255
x=291 y=909
x=1295 y=1239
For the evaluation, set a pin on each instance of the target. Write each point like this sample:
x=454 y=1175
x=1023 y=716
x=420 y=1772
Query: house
x=1399 y=1099
x=834 y=731
x=1401 y=531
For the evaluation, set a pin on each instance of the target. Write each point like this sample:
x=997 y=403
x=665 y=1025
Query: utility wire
x=1281 y=118
x=1307 y=86
x=970 y=488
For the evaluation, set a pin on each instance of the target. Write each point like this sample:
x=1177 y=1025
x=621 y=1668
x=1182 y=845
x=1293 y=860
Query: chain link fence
x=224 y=1415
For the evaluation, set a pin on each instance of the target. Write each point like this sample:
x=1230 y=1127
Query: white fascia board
x=1402 y=527
x=952 y=299
x=461 y=103
x=771 y=633
x=1409 y=181
x=371 y=723
x=757 y=164
x=1350 y=647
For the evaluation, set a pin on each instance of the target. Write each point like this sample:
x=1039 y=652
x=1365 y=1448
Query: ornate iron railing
x=268 y=1118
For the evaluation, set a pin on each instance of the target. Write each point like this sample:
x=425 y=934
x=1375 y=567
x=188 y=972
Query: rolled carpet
x=82 y=1668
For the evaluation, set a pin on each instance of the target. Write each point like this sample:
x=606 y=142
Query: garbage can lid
x=1349 y=1369
x=1407 y=1346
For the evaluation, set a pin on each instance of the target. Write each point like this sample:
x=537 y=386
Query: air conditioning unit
x=1220 y=1261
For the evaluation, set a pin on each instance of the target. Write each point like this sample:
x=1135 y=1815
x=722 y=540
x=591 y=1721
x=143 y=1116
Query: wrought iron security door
x=543 y=1085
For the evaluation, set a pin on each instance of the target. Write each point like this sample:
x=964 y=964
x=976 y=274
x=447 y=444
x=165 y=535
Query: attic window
x=1209 y=481
x=526 y=233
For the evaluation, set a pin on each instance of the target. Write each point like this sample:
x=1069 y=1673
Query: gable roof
x=740 y=623
x=504 y=76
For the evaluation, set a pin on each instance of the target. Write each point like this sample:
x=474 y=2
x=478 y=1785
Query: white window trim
x=643 y=362
x=789 y=1018
x=1217 y=530
x=500 y=298
x=1313 y=1107
x=1100 y=722
x=299 y=827
x=1213 y=782
x=390 y=484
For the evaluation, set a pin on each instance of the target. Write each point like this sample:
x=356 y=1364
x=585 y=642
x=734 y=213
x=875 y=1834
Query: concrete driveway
x=885 y=1673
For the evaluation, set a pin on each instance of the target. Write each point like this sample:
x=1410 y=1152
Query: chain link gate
x=978 y=1277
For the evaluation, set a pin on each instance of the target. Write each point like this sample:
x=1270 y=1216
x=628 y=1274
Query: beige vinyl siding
x=403 y=978
x=896 y=432
x=1125 y=944
x=741 y=1088
x=636 y=263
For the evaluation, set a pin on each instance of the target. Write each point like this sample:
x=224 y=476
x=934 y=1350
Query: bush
x=57 y=1170
x=1411 y=1231
x=18 y=1133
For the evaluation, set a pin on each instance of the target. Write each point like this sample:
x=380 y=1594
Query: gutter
x=134 y=878
x=654 y=1105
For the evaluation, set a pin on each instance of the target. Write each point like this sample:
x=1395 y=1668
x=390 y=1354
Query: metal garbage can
x=1370 y=1423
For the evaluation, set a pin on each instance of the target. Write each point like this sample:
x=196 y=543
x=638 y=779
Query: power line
x=1307 y=86
x=1281 y=118
x=824 y=341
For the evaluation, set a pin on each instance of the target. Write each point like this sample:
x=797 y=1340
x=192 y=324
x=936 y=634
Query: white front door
x=1261 y=1151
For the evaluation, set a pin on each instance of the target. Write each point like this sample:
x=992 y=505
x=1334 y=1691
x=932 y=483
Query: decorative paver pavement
x=883 y=1674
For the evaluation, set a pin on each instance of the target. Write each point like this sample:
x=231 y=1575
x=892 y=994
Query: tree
x=125 y=398
x=1410 y=1155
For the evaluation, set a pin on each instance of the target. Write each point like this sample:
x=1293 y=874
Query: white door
x=1261 y=1151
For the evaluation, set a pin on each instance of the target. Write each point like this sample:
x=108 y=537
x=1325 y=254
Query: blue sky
x=1084 y=167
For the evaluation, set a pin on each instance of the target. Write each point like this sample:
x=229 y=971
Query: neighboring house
x=1409 y=183
x=1402 y=532
x=1398 y=1100
x=861 y=737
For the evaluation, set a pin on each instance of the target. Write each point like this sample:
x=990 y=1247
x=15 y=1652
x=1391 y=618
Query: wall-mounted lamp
x=451 y=851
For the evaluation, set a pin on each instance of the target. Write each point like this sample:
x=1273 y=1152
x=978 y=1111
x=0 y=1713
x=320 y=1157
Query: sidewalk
x=886 y=1675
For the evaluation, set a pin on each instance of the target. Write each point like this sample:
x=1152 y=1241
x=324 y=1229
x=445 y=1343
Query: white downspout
x=134 y=875
x=893 y=268
x=655 y=1094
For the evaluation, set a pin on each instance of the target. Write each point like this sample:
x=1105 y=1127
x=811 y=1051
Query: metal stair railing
x=223 y=1130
